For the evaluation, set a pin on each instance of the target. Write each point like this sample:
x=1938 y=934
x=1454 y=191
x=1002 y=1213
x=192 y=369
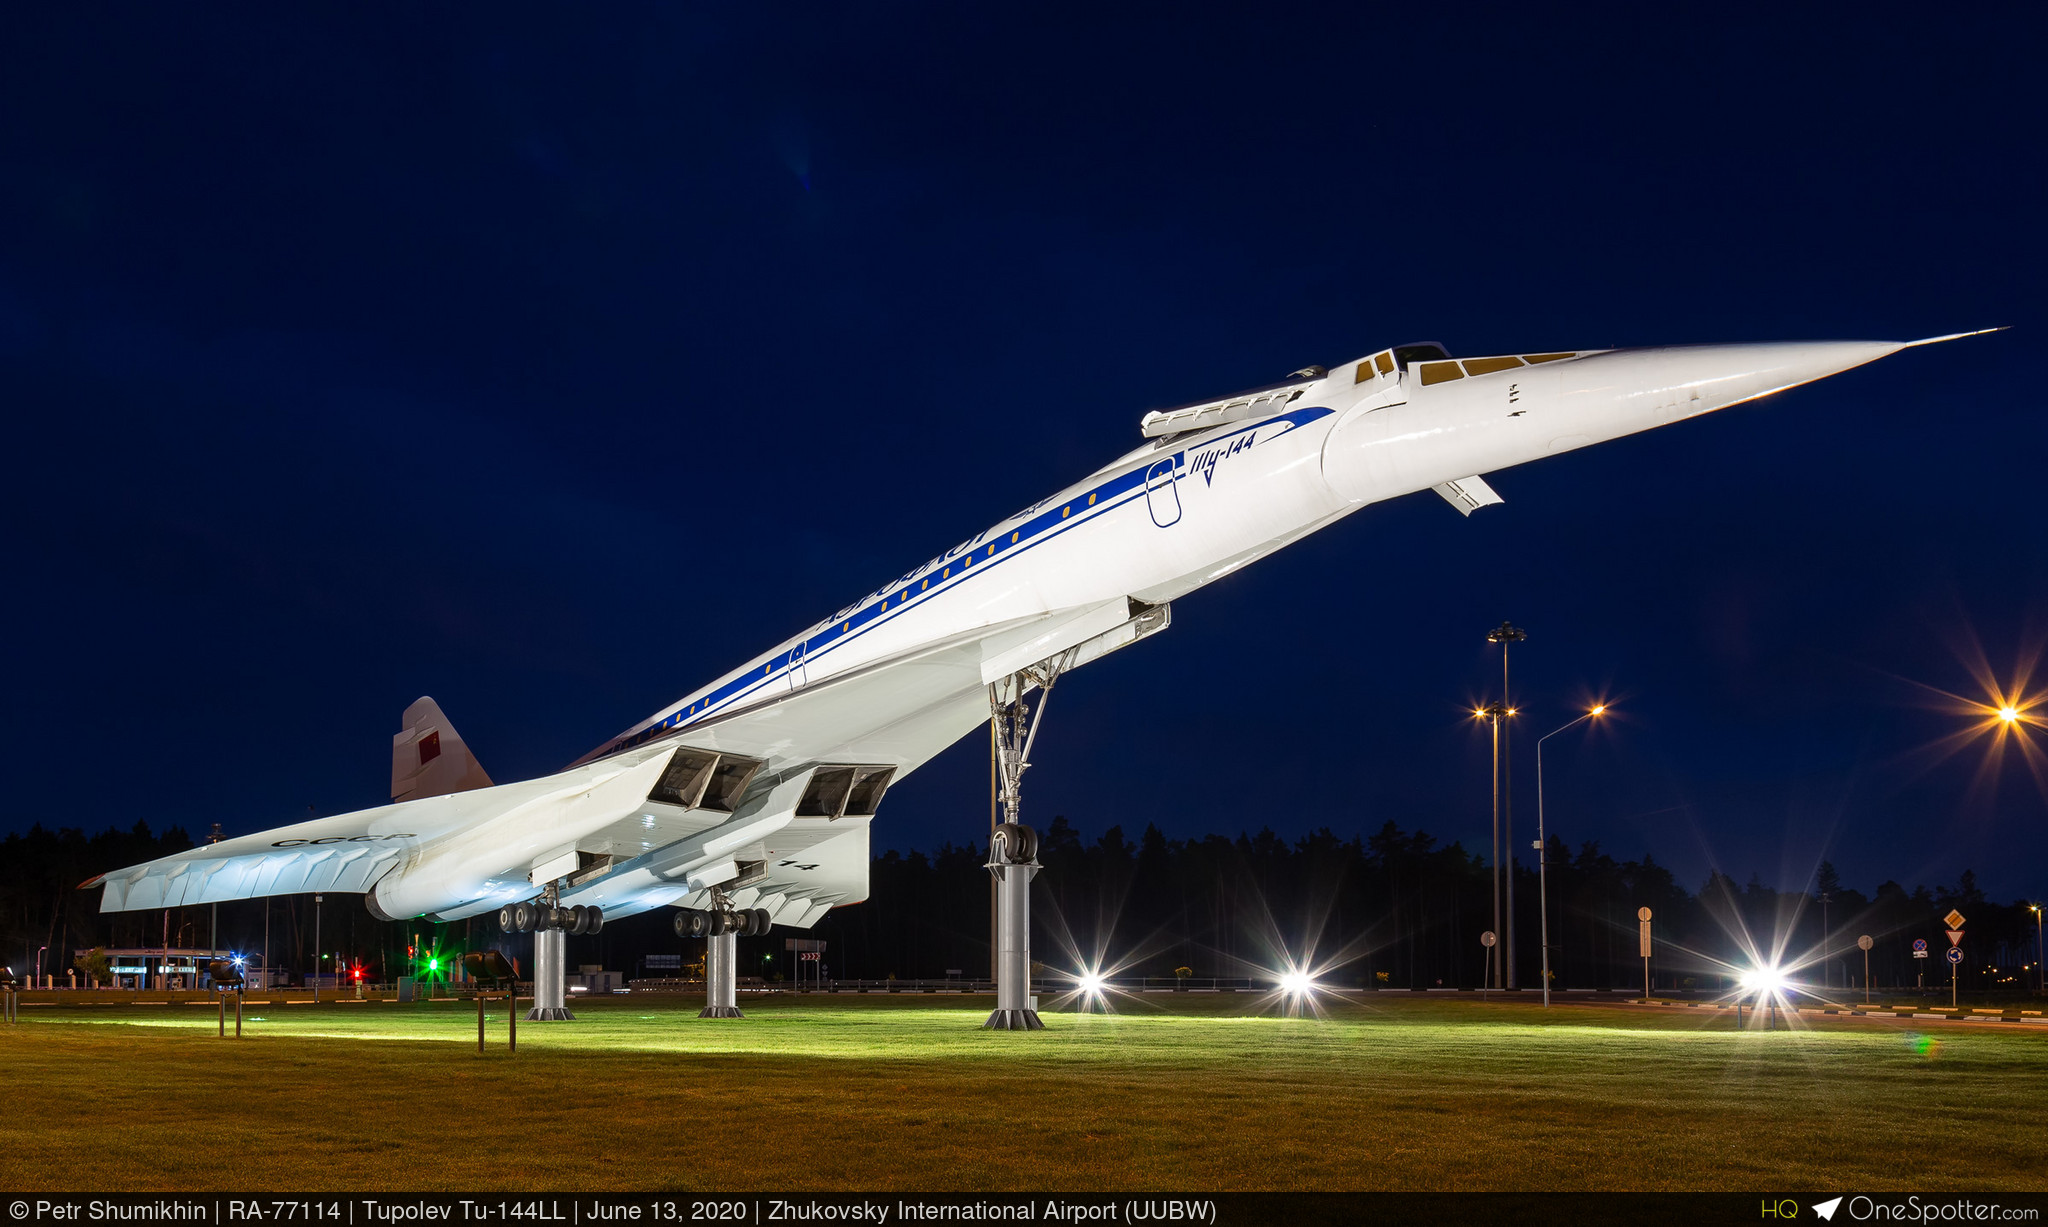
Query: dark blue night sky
x=554 y=365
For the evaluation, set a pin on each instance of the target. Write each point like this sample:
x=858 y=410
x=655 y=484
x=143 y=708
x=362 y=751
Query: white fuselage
x=1189 y=508
x=889 y=681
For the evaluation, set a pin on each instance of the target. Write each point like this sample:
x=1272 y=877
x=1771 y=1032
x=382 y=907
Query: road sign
x=1487 y=939
x=1642 y=913
x=1919 y=945
x=1955 y=937
x=1955 y=954
x=1643 y=935
x=1864 y=942
x=1953 y=920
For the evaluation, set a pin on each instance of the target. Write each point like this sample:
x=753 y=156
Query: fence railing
x=953 y=984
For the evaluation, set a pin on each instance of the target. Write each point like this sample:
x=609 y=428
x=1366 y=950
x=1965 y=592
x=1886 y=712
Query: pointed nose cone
x=1746 y=372
x=1685 y=380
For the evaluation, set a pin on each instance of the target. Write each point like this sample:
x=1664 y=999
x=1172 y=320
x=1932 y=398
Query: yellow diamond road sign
x=1954 y=919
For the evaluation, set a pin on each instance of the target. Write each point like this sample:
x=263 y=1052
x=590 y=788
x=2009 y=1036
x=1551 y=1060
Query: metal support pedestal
x=550 y=972
x=1016 y=1009
x=721 y=956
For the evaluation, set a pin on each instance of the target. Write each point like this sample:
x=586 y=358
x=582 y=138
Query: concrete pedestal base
x=550 y=969
x=721 y=955
x=1016 y=1009
x=1013 y=1020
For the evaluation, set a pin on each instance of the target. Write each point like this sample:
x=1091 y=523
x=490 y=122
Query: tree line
x=1395 y=909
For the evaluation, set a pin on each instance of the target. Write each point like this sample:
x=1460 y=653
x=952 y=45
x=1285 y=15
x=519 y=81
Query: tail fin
x=428 y=757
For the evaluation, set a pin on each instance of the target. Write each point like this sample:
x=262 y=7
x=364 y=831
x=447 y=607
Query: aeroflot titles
x=341 y=839
x=1041 y=521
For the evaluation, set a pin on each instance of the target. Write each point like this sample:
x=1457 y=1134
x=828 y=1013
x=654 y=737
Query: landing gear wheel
x=506 y=920
x=522 y=917
x=579 y=920
x=593 y=921
x=1019 y=843
x=763 y=922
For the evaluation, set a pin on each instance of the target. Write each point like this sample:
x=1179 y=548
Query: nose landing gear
x=1012 y=846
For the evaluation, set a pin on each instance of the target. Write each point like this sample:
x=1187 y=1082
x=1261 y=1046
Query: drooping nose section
x=1636 y=389
x=1474 y=416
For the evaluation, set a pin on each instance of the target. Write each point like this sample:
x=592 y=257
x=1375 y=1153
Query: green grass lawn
x=907 y=1093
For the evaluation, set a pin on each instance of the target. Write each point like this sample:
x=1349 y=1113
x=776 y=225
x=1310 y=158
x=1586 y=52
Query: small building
x=160 y=968
x=593 y=979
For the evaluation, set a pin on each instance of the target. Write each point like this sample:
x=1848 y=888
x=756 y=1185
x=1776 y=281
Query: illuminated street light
x=2009 y=714
x=1543 y=847
x=1504 y=797
x=1496 y=714
x=2040 y=951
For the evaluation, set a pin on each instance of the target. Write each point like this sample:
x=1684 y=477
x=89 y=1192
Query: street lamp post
x=1494 y=714
x=2040 y=951
x=213 y=929
x=1505 y=634
x=1827 y=972
x=1543 y=848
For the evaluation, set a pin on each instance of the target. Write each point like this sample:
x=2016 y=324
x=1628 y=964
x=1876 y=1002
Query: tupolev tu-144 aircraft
x=748 y=802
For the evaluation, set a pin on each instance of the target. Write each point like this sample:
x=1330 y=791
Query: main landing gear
x=721 y=926
x=550 y=923
x=1012 y=846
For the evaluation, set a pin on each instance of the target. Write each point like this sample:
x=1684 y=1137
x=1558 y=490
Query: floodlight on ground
x=1763 y=981
x=1297 y=983
x=493 y=973
x=1089 y=982
x=226 y=973
x=487 y=965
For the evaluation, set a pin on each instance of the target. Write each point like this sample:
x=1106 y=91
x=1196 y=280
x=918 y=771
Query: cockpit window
x=1406 y=355
x=1381 y=363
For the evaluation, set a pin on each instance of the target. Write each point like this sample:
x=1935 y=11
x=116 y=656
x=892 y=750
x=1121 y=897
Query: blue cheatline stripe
x=1052 y=522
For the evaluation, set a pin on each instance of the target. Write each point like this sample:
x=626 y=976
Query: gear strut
x=1013 y=847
